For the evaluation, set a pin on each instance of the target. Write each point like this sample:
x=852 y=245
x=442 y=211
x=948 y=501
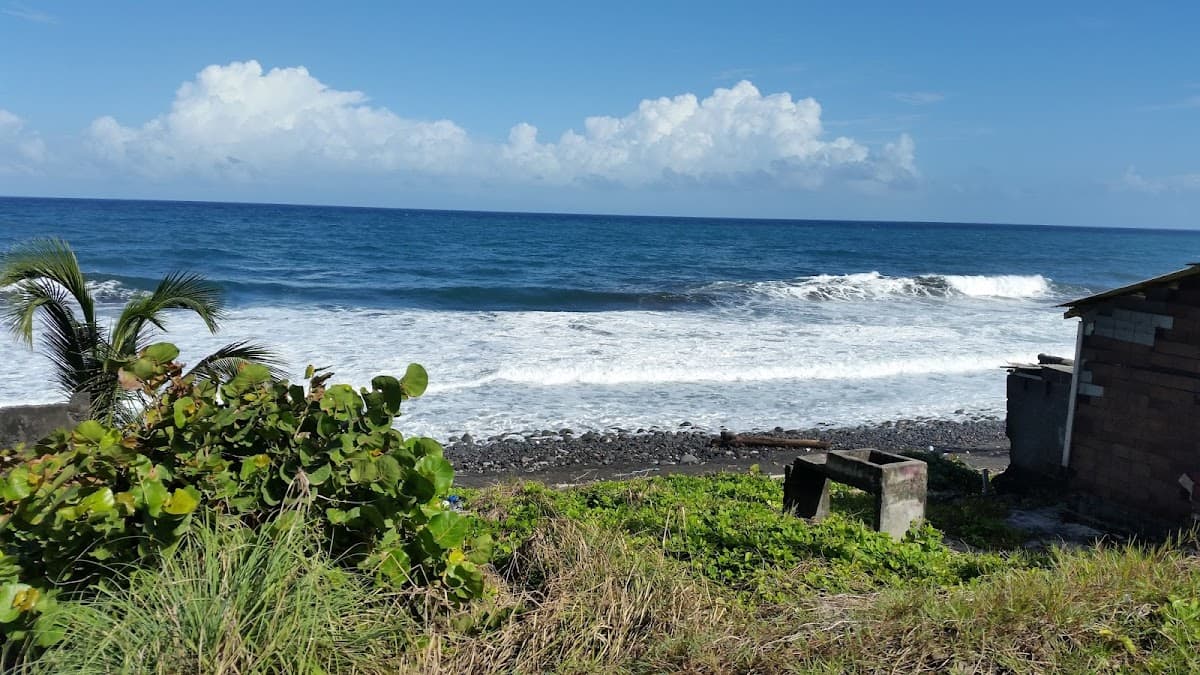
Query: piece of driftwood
x=741 y=441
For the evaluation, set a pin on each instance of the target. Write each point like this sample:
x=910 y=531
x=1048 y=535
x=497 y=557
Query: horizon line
x=838 y=221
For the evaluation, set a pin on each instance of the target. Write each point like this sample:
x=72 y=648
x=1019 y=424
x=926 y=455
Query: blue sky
x=1057 y=113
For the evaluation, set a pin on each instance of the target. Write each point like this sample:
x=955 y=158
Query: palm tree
x=44 y=280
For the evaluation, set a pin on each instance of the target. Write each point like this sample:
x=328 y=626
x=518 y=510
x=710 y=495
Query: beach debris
x=727 y=439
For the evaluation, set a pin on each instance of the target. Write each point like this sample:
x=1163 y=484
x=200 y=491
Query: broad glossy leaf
x=183 y=408
x=15 y=486
x=392 y=390
x=415 y=380
x=90 y=430
x=320 y=474
x=160 y=352
x=142 y=369
x=183 y=501
x=249 y=376
x=449 y=529
x=481 y=549
x=99 y=501
x=14 y=600
x=389 y=470
x=154 y=494
x=395 y=565
x=437 y=470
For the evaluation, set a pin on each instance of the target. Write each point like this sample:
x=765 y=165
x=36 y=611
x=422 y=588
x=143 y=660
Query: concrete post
x=806 y=488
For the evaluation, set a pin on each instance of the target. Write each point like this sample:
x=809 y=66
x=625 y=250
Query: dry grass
x=577 y=599
x=580 y=597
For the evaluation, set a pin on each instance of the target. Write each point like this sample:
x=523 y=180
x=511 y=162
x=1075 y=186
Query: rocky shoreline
x=564 y=456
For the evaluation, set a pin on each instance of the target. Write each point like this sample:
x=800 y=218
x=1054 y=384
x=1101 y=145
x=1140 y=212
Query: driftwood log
x=727 y=439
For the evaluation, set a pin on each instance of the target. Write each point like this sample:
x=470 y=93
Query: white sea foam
x=1002 y=286
x=103 y=292
x=800 y=363
x=847 y=370
x=111 y=291
x=875 y=286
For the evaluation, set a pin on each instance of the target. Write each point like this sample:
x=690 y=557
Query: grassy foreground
x=692 y=574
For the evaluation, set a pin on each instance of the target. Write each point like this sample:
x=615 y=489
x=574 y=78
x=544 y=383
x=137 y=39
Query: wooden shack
x=1134 y=435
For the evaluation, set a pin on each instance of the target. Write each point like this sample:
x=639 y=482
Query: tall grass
x=1107 y=609
x=580 y=596
x=231 y=601
x=581 y=599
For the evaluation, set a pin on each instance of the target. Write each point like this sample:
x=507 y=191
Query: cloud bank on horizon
x=240 y=123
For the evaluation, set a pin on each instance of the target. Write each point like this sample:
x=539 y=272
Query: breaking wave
x=848 y=370
x=875 y=286
x=107 y=291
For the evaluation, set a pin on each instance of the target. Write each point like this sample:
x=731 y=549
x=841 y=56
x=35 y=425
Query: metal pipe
x=1066 y=453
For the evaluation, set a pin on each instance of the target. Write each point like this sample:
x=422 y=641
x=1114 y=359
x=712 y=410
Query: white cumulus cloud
x=21 y=150
x=734 y=135
x=240 y=122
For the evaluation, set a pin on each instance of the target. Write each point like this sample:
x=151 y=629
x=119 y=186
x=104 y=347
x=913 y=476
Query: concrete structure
x=29 y=423
x=1135 y=412
x=899 y=484
x=1036 y=424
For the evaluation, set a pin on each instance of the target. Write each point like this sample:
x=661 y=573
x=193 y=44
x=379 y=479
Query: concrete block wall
x=30 y=423
x=1137 y=417
x=1036 y=423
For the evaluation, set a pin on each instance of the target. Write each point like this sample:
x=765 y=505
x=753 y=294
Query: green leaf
x=249 y=376
x=341 y=397
x=415 y=381
x=395 y=565
x=46 y=631
x=160 y=353
x=15 y=486
x=90 y=430
x=154 y=494
x=420 y=487
x=436 y=470
x=392 y=390
x=389 y=470
x=142 y=369
x=320 y=474
x=269 y=496
x=449 y=529
x=481 y=549
x=14 y=600
x=181 y=408
x=98 y=502
x=183 y=501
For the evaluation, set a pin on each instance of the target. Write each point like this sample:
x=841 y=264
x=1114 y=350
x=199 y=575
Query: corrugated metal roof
x=1192 y=270
x=1032 y=367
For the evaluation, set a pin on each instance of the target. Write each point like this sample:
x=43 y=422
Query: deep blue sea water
x=531 y=321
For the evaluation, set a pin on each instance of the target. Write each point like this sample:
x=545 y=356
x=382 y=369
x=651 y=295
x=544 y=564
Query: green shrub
x=731 y=529
x=84 y=503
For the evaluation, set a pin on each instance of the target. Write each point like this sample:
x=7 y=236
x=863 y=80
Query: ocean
x=540 y=321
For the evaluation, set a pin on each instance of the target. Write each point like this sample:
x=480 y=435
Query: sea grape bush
x=82 y=504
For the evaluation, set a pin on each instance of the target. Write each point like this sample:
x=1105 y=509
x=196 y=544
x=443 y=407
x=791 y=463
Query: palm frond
x=224 y=363
x=48 y=259
x=176 y=291
x=108 y=401
x=70 y=344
